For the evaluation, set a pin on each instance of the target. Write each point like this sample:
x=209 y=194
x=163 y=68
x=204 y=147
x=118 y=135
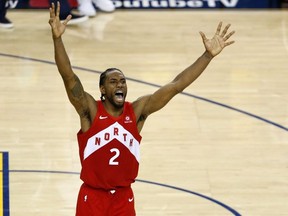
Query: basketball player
x=109 y=137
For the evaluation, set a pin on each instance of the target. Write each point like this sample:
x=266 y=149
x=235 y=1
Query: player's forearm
x=62 y=59
x=191 y=73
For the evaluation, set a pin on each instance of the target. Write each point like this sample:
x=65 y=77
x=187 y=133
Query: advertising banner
x=161 y=4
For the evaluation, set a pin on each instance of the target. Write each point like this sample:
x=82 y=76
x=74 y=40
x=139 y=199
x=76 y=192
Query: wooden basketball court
x=218 y=149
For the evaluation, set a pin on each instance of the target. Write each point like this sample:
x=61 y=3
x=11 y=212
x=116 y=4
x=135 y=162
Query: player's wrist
x=208 y=55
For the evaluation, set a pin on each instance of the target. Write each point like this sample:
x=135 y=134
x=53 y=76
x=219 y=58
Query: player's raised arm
x=58 y=29
x=162 y=96
x=82 y=101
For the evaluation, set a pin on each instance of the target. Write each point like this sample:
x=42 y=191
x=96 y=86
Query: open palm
x=58 y=27
x=219 y=41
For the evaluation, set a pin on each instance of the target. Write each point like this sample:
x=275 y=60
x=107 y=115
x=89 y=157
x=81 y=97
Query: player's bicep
x=76 y=94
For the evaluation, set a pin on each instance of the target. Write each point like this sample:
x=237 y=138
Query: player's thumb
x=203 y=36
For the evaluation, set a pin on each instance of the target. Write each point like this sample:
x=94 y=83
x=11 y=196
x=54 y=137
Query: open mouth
x=119 y=95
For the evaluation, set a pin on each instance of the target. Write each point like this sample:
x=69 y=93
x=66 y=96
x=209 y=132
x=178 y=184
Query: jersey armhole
x=80 y=132
x=134 y=119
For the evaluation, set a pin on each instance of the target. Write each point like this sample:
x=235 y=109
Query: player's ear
x=102 y=90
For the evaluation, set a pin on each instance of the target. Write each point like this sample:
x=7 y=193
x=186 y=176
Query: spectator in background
x=4 y=21
x=66 y=10
x=86 y=7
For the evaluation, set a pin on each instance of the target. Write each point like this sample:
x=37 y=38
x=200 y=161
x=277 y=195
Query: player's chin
x=119 y=103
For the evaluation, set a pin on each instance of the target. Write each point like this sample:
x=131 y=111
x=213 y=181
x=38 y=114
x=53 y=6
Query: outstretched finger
x=68 y=18
x=52 y=10
x=58 y=9
x=219 y=28
x=225 y=30
x=229 y=35
x=229 y=43
x=203 y=36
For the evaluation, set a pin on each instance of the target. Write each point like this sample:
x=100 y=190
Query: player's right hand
x=57 y=27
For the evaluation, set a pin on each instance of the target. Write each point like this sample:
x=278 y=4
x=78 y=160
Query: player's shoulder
x=141 y=101
x=139 y=106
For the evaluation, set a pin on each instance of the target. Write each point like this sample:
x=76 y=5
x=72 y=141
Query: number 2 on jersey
x=112 y=160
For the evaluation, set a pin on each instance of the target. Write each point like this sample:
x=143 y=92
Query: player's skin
x=115 y=82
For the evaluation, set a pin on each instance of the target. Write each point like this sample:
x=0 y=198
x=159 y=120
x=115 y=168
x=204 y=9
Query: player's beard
x=116 y=103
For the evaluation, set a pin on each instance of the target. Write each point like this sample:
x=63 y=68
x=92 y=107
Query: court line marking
x=158 y=86
x=233 y=211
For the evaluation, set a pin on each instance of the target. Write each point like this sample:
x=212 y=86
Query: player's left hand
x=215 y=45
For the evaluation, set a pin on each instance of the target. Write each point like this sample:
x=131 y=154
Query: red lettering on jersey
x=97 y=141
x=124 y=135
x=131 y=142
x=106 y=136
x=116 y=131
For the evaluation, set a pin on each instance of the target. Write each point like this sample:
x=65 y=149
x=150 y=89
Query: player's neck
x=112 y=109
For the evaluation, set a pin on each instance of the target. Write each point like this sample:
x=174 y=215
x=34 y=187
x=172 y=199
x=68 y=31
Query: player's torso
x=109 y=150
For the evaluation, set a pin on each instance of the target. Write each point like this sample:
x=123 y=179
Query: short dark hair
x=103 y=77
